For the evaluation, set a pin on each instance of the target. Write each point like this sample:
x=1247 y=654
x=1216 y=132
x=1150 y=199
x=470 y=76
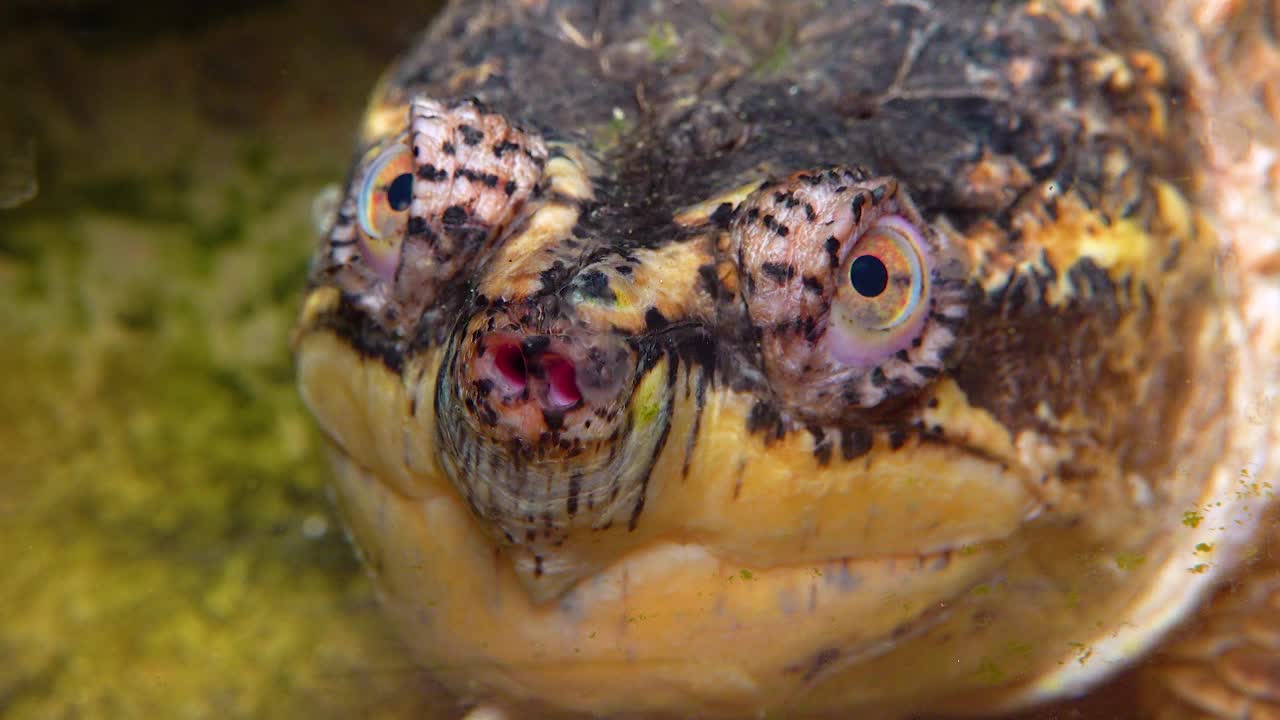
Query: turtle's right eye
x=851 y=293
x=386 y=194
x=886 y=302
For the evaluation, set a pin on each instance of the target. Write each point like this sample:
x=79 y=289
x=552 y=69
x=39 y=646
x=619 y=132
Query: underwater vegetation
x=167 y=545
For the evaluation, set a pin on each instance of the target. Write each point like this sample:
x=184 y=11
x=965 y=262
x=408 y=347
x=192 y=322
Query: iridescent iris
x=386 y=194
x=884 y=301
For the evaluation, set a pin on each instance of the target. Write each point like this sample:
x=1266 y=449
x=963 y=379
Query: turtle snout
x=547 y=386
x=535 y=429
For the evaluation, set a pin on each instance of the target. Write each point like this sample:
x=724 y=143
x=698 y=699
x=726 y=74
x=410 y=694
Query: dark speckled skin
x=680 y=102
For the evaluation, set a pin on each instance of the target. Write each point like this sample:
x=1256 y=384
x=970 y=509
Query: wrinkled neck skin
x=882 y=343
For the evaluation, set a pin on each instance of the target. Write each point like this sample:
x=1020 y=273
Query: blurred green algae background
x=166 y=546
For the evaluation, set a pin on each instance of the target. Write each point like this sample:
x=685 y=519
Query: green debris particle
x=778 y=54
x=989 y=672
x=1204 y=548
x=1021 y=647
x=1199 y=569
x=663 y=41
x=1192 y=519
x=817 y=572
x=618 y=120
x=1083 y=652
x=255 y=156
x=966 y=550
x=983 y=589
x=1073 y=598
x=746 y=574
x=612 y=132
x=1129 y=561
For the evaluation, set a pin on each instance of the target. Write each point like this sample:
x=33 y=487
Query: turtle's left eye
x=884 y=299
x=386 y=193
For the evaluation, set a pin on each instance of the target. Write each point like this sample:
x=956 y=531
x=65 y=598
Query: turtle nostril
x=562 y=383
x=509 y=361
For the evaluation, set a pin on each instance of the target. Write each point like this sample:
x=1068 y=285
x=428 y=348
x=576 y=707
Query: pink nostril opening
x=562 y=385
x=510 y=364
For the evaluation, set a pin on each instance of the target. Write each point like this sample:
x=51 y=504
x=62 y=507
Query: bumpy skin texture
x=624 y=422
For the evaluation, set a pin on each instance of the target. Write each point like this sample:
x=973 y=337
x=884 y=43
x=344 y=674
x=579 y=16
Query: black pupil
x=869 y=276
x=400 y=192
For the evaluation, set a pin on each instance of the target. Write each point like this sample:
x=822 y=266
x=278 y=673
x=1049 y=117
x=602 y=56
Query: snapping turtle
x=884 y=357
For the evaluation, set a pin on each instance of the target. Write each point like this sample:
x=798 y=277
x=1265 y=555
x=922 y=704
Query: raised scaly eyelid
x=833 y=341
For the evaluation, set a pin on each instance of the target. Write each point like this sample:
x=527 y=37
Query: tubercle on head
x=425 y=204
x=853 y=296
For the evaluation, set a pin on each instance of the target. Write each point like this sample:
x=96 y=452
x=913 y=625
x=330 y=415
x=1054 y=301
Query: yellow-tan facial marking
x=517 y=267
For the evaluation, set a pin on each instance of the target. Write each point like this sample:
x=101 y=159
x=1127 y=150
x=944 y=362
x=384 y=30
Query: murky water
x=167 y=546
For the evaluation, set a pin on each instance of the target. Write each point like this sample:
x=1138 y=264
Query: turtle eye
x=883 y=301
x=386 y=193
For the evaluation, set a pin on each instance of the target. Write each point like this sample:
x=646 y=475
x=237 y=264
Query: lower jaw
x=666 y=629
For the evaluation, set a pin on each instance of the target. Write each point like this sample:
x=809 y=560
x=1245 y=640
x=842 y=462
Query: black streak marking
x=431 y=174
x=710 y=280
x=501 y=148
x=778 y=272
x=595 y=284
x=854 y=442
x=654 y=320
x=700 y=402
x=722 y=215
x=672 y=368
x=575 y=487
x=765 y=418
x=821 y=445
x=455 y=215
x=470 y=135
x=897 y=438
